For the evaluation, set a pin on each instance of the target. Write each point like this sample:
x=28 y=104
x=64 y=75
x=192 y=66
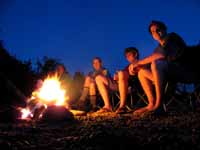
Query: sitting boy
x=121 y=81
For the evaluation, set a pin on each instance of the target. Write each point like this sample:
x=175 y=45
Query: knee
x=155 y=64
x=158 y=65
x=98 y=79
x=87 y=79
x=141 y=73
x=122 y=75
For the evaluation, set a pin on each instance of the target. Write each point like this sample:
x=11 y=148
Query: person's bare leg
x=123 y=87
x=92 y=89
x=86 y=87
x=102 y=84
x=88 y=81
x=92 y=94
x=158 y=72
x=146 y=78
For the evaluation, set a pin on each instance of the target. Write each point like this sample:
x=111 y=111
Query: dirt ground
x=176 y=130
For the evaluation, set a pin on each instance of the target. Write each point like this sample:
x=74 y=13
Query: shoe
x=121 y=110
x=94 y=109
x=104 y=110
x=81 y=105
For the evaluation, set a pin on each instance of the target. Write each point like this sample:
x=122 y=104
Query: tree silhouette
x=46 y=65
x=18 y=74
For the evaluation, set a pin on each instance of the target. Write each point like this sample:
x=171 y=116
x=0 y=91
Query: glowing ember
x=50 y=93
x=25 y=113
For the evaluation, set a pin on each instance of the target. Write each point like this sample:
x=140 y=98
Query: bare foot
x=104 y=110
x=141 y=111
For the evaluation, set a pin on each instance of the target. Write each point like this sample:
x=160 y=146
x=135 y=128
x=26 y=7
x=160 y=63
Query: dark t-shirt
x=173 y=48
x=182 y=60
x=132 y=79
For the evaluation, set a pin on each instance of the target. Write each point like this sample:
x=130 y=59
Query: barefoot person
x=121 y=81
x=164 y=63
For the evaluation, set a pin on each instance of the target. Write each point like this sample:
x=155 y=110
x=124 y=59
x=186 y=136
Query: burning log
x=57 y=113
x=49 y=102
x=50 y=96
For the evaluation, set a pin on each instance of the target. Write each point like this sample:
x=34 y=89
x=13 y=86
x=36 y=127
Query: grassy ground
x=176 y=130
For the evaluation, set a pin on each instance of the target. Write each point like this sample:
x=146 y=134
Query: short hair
x=98 y=58
x=132 y=50
x=159 y=24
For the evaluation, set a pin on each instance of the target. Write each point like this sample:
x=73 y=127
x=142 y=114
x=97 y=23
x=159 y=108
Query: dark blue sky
x=75 y=31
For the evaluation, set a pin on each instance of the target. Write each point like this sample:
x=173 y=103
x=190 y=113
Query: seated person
x=66 y=81
x=76 y=88
x=123 y=78
x=89 y=87
x=63 y=76
x=163 y=64
x=127 y=78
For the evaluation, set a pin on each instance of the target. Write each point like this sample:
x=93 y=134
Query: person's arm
x=151 y=58
x=134 y=68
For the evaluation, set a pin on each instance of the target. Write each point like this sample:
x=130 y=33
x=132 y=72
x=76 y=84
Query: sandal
x=121 y=110
x=142 y=114
x=104 y=110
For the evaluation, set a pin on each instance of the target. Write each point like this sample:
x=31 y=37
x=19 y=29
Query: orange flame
x=50 y=93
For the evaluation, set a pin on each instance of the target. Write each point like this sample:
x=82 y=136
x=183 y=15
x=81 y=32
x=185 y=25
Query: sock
x=93 y=101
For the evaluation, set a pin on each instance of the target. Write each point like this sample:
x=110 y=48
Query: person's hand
x=115 y=78
x=133 y=68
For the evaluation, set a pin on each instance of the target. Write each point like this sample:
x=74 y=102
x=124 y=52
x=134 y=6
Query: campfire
x=49 y=93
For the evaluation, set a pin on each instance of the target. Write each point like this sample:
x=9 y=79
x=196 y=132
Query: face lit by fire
x=60 y=69
x=131 y=57
x=157 y=33
x=97 y=64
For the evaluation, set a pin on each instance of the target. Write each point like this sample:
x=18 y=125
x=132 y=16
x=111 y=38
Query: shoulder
x=105 y=71
x=174 y=37
x=91 y=73
x=173 y=34
x=126 y=68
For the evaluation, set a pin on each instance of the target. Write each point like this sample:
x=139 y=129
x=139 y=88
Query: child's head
x=131 y=54
x=97 y=63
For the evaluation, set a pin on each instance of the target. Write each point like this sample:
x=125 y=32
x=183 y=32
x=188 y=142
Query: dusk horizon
x=75 y=31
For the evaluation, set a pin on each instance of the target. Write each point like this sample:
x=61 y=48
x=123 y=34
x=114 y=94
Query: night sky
x=75 y=31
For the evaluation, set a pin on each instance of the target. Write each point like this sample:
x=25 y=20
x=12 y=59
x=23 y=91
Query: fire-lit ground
x=178 y=130
x=48 y=123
